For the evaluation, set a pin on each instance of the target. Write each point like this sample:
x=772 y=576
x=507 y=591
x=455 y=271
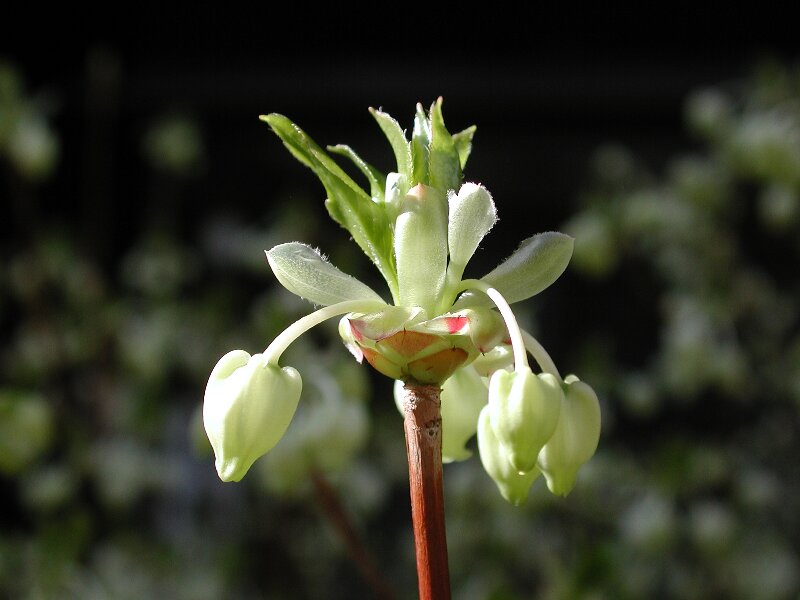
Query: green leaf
x=444 y=164
x=534 y=266
x=376 y=178
x=347 y=203
x=397 y=138
x=420 y=146
x=307 y=151
x=463 y=142
x=304 y=271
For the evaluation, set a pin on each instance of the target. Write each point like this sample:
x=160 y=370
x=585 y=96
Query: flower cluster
x=420 y=226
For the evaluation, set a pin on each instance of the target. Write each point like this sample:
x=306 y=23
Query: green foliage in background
x=107 y=481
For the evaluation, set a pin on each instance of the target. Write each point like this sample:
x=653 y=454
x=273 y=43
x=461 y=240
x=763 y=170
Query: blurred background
x=138 y=191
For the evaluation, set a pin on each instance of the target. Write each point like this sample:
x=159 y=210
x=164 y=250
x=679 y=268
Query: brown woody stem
x=423 y=427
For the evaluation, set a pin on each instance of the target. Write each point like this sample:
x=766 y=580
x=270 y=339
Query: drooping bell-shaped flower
x=575 y=438
x=523 y=410
x=463 y=397
x=247 y=407
x=513 y=485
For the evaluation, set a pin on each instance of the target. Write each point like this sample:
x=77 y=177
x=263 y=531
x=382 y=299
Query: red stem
x=423 y=428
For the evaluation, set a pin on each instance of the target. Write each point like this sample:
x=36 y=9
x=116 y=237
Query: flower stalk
x=422 y=421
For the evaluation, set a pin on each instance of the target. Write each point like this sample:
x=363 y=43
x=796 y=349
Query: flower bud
x=575 y=438
x=396 y=344
x=500 y=357
x=464 y=394
x=248 y=406
x=420 y=246
x=484 y=326
x=512 y=484
x=524 y=411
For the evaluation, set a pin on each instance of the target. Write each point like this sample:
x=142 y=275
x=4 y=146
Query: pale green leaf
x=304 y=271
x=535 y=265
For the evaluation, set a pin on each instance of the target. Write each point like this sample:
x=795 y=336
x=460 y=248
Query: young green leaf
x=463 y=143
x=444 y=164
x=420 y=146
x=397 y=138
x=376 y=179
x=347 y=203
x=303 y=271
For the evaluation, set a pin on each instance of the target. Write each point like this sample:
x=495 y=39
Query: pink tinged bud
x=383 y=365
x=487 y=328
x=350 y=338
x=435 y=369
x=247 y=408
x=524 y=412
x=409 y=344
x=513 y=485
x=456 y=324
x=423 y=357
x=403 y=350
x=575 y=438
x=379 y=325
x=484 y=327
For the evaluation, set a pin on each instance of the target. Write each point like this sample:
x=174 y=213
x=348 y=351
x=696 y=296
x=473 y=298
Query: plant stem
x=423 y=427
x=273 y=352
x=337 y=516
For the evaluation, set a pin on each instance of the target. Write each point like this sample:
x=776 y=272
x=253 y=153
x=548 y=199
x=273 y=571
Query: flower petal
x=420 y=244
x=464 y=394
x=575 y=438
x=472 y=214
x=513 y=485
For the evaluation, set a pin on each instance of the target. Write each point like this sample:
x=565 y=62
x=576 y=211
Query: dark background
x=544 y=89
